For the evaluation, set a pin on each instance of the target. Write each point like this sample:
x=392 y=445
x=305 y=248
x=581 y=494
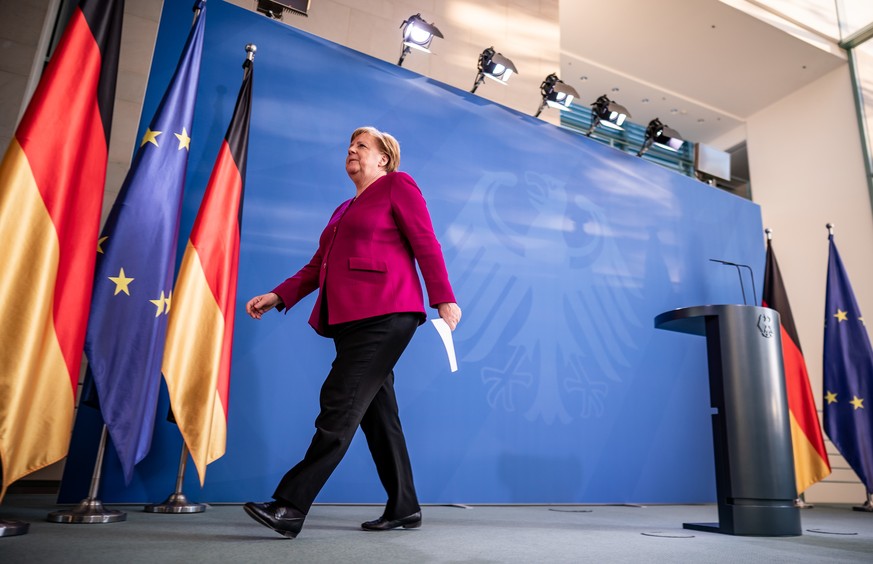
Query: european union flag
x=848 y=373
x=136 y=259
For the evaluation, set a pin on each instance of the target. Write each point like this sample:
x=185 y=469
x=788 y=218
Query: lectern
x=751 y=429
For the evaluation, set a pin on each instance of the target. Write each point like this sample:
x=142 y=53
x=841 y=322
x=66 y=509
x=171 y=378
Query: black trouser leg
x=381 y=426
x=366 y=352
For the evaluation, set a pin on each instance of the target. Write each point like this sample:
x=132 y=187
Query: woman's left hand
x=450 y=313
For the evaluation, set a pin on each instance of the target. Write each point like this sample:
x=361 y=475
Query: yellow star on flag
x=160 y=303
x=857 y=402
x=121 y=283
x=100 y=244
x=831 y=397
x=150 y=137
x=184 y=140
x=168 y=301
x=841 y=315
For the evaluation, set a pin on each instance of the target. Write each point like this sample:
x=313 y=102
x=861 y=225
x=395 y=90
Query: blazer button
x=324 y=265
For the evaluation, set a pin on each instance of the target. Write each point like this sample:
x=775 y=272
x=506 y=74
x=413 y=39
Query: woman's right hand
x=259 y=305
x=450 y=313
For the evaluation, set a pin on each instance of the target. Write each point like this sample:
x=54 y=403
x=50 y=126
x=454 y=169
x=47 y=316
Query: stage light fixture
x=276 y=9
x=494 y=66
x=556 y=94
x=607 y=113
x=661 y=135
x=417 y=34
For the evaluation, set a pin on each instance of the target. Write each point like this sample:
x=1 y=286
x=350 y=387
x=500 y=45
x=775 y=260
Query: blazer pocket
x=362 y=263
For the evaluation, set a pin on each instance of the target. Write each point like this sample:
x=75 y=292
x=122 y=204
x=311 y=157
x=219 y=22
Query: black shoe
x=384 y=524
x=283 y=519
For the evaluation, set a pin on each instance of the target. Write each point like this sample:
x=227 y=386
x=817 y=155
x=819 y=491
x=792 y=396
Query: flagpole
x=830 y=227
x=90 y=510
x=177 y=502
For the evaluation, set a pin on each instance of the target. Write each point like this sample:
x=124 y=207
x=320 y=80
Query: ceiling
x=701 y=66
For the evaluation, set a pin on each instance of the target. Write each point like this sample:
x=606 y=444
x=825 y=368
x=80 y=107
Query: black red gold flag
x=810 y=458
x=197 y=354
x=51 y=193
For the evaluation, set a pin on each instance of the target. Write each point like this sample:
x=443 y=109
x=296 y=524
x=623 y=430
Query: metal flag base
x=90 y=510
x=868 y=505
x=800 y=503
x=13 y=528
x=177 y=502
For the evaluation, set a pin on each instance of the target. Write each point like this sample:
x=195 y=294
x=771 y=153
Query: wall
x=21 y=26
x=807 y=170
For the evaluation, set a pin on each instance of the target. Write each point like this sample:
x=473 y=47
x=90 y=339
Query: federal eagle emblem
x=765 y=325
x=546 y=296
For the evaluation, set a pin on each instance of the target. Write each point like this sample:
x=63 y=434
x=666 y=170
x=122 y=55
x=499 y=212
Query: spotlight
x=556 y=94
x=417 y=34
x=494 y=66
x=275 y=9
x=661 y=135
x=607 y=113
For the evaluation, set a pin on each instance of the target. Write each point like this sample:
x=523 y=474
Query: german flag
x=51 y=194
x=810 y=458
x=197 y=356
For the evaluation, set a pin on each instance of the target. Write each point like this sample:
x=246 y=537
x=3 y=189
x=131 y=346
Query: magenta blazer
x=365 y=262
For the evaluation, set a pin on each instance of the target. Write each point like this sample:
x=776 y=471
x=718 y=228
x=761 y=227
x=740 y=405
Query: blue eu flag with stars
x=848 y=373
x=136 y=258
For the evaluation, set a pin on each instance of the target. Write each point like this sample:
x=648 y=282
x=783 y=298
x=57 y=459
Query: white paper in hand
x=446 y=335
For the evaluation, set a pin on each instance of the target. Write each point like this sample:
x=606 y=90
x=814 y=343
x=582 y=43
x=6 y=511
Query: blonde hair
x=388 y=145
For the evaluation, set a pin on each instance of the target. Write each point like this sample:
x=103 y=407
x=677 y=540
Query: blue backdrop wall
x=561 y=251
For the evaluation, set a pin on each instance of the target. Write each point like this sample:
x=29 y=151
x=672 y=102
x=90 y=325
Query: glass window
x=864 y=69
x=854 y=16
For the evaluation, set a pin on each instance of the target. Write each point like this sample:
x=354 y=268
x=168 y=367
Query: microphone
x=740 y=274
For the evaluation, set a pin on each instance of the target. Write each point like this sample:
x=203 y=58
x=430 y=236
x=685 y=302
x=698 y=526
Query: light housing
x=608 y=113
x=556 y=94
x=276 y=9
x=495 y=66
x=661 y=135
x=417 y=34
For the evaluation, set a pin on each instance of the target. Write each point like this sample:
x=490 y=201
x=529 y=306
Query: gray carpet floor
x=477 y=534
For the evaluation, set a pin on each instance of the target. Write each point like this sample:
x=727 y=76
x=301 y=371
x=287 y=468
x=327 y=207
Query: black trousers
x=359 y=390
